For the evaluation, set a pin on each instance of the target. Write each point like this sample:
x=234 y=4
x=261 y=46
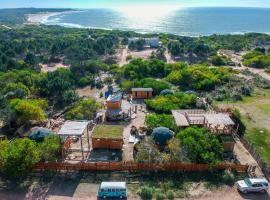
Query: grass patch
x=260 y=138
x=108 y=131
x=265 y=108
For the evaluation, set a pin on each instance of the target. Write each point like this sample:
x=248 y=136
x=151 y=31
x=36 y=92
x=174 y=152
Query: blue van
x=112 y=190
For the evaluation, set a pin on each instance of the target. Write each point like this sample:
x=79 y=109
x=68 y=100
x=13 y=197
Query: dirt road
x=122 y=56
x=237 y=59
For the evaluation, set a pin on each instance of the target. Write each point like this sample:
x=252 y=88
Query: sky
x=116 y=3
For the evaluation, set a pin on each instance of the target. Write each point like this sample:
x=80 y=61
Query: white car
x=252 y=185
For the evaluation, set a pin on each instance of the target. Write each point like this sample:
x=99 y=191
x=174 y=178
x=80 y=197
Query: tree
x=175 y=48
x=26 y=110
x=164 y=104
x=18 y=157
x=54 y=84
x=18 y=90
x=200 y=145
x=85 y=110
x=217 y=60
x=155 y=120
x=50 y=148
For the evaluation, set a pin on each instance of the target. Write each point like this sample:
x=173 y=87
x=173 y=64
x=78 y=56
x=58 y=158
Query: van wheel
x=245 y=191
x=263 y=191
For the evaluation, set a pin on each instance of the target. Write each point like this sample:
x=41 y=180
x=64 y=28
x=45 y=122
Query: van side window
x=113 y=190
x=109 y=190
x=102 y=190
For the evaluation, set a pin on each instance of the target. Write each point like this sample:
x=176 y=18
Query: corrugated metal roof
x=73 y=128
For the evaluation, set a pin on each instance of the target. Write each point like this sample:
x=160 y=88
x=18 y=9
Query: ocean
x=184 y=21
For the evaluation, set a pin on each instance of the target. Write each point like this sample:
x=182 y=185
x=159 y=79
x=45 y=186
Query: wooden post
x=82 y=148
x=88 y=139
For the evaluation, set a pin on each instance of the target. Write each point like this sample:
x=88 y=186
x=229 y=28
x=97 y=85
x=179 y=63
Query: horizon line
x=113 y=7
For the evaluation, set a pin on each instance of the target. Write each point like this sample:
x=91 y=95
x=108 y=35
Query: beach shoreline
x=41 y=18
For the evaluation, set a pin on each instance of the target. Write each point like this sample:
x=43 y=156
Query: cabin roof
x=142 y=89
x=114 y=98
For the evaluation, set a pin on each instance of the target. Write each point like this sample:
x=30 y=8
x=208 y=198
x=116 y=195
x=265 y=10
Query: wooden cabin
x=108 y=137
x=114 y=102
x=142 y=93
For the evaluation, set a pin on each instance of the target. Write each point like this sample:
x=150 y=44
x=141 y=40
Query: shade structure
x=162 y=135
x=39 y=134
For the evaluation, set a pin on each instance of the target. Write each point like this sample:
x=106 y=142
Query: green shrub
x=160 y=196
x=146 y=193
x=164 y=104
x=228 y=177
x=155 y=120
x=170 y=195
x=85 y=110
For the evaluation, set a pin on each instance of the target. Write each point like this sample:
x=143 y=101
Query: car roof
x=258 y=180
x=118 y=185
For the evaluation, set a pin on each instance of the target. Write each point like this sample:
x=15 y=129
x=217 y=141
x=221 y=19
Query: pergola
x=219 y=123
x=76 y=129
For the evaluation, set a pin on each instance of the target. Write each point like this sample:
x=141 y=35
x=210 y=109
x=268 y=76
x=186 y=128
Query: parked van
x=112 y=190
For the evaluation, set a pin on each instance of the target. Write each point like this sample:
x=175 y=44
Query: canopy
x=39 y=134
x=162 y=135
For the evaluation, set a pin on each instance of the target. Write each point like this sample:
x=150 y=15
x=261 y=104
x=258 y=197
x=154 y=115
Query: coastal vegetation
x=258 y=58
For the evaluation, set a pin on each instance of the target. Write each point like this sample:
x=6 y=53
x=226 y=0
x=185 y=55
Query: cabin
x=114 y=102
x=149 y=42
x=142 y=93
x=117 y=110
x=108 y=137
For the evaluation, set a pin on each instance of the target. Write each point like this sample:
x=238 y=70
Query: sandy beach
x=40 y=18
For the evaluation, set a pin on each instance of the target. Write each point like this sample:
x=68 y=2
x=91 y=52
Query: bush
x=164 y=104
x=85 y=110
x=146 y=193
x=170 y=195
x=155 y=120
x=18 y=157
x=228 y=177
x=26 y=110
x=199 y=77
x=156 y=85
x=238 y=119
x=160 y=196
x=200 y=145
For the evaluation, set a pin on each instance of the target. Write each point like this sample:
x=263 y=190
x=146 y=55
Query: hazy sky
x=115 y=3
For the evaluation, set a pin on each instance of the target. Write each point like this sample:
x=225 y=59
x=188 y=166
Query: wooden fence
x=252 y=150
x=133 y=167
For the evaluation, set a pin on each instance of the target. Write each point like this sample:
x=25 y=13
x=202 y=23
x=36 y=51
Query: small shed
x=72 y=129
x=107 y=137
x=142 y=93
x=114 y=102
